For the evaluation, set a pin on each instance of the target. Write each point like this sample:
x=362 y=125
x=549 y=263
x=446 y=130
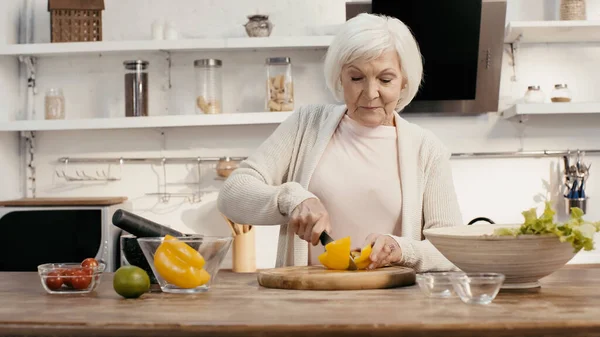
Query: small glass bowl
x=436 y=285
x=70 y=278
x=477 y=288
x=212 y=248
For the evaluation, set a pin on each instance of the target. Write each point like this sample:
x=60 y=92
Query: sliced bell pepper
x=337 y=254
x=179 y=264
x=363 y=260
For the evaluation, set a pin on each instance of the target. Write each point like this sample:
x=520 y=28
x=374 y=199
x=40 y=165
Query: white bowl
x=523 y=259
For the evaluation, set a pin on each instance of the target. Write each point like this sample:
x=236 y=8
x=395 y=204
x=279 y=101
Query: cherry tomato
x=54 y=280
x=81 y=279
x=68 y=276
x=90 y=262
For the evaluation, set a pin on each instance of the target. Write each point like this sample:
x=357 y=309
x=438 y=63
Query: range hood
x=462 y=44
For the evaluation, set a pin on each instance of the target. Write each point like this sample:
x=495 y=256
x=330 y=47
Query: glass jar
x=280 y=85
x=54 y=104
x=561 y=94
x=209 y=79
x=534 y=94
x=136 y=88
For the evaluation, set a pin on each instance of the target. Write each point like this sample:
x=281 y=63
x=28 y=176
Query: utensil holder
x=579 y=202
x=244 y=252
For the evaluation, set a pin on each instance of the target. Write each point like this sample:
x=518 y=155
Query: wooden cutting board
x=98 y=201
x=320 y=278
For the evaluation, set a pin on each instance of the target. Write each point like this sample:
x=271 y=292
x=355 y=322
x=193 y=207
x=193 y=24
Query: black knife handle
x=141 y=227
x=325 y=238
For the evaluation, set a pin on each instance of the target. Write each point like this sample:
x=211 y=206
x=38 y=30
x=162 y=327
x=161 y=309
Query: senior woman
x=357 y=169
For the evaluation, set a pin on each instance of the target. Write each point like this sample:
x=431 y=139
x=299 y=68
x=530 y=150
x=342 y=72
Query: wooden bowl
x=523 y=259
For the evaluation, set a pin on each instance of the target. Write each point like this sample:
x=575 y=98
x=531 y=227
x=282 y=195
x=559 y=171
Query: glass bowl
x=70 y=278
x=477 y=288
x=177 y=265
x=436 y=285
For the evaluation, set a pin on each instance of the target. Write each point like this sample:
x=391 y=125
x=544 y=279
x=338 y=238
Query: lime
x=131 y=281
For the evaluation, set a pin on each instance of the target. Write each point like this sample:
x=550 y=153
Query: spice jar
x=136 y=88
x=54 y=104
x=280 y=86
x=534 y=94
x=208 y=86
x=561 y=94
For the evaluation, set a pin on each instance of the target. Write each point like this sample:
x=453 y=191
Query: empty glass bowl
x=477 y=288
x=437 y=285
x=188 y=264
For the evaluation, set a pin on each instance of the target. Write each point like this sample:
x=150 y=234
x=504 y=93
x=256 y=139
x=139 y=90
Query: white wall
x=497 y=188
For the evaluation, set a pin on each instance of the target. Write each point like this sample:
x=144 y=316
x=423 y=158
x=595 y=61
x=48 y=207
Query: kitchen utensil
x=576 y=202
x=212 y=248
x=320 y=278
x=139 y=226
x=523 y=259
x=244 y=251
x=132 y=255
x=101 y=201
x=325 y=239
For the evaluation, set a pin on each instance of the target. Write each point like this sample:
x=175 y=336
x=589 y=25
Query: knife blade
x=325 y=239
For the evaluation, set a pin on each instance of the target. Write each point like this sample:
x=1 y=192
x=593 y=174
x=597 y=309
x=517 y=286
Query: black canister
x=136 y=88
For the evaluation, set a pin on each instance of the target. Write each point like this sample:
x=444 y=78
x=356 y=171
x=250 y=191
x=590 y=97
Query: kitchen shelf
x=526 y=109
x=182 y=45
x=552 y=31
x=242 y=118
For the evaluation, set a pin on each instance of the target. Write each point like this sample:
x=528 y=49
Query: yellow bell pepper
x=363 y=260
x=337 y=254
x=179 y=264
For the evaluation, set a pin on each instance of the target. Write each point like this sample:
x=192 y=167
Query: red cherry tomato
x=90 y=262
x=54 y=280
x=81 y=279
x=68 y=277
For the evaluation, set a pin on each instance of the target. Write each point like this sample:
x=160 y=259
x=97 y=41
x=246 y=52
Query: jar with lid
x=534 y=94
x=561 y=94
x=280 y=85
x=54 y=104
x=208 y=86
x=136 y=88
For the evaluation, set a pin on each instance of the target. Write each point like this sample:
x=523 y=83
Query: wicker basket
x=75 y=20
x=572 y=10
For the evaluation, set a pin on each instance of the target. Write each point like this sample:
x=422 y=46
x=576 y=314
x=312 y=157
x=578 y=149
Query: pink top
x=358 y=181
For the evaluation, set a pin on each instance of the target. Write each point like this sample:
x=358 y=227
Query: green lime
x=131 y=281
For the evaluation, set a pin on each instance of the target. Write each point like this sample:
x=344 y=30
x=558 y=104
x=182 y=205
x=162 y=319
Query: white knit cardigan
x=267 y=186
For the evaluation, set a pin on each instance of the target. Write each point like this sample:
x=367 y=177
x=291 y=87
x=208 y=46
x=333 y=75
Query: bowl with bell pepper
x=187 y=264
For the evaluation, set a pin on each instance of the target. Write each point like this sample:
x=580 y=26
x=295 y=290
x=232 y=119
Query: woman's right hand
x=309 y=220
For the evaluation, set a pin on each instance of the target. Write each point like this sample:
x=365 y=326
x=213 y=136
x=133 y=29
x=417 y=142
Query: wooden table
x=567 y=305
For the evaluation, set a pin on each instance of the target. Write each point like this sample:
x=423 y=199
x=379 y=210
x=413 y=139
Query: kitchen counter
x=568 y=304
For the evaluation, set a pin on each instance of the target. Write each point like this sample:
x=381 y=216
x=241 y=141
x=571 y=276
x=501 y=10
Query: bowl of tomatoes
x=71 y=278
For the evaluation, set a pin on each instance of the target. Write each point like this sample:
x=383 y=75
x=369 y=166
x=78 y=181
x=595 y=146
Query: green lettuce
x=577 y=231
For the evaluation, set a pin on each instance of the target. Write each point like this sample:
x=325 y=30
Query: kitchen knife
x=325 y=239
x=141 y=227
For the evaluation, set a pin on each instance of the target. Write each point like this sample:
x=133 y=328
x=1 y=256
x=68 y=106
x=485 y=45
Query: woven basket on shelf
x=75 y=20
x=572 y=10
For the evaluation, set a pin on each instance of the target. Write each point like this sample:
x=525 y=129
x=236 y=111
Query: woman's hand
x=385 y=250
x=309 y=220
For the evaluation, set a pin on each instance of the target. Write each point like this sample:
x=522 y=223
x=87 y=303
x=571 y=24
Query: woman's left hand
x=385 y=250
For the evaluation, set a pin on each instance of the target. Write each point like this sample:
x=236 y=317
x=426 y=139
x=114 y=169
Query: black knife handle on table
x=141 y=227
